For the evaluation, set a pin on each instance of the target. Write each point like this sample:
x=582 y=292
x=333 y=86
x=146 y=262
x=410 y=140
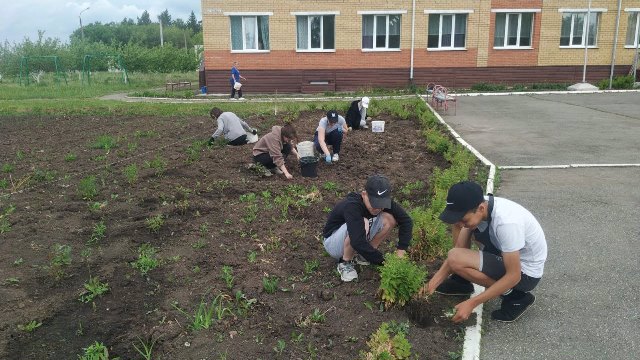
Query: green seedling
x=131 y=173
x=20 y=155
x=87 y=188
x=243 y=304
x=297 y=337
x=70 y=157
x=311 y=266
x=280 y=346
x=206 y=313
x=30 y=326
x=61 y=258
x=449 y=313
x=317 y=317
x=368 y=305
x=147 y=260
x=400 y=279
x=11 y=281
x=4 y=183
x=194 y=151
x=146 y=348
x=42 y=175
x=158 y=164
x=18 y=261
x=95 y=351
x=8 y=168
x=270 y=284
x=227 y=276
x=5 y=224
x=145 y=134
x=199 y=244
x=154 y=223
x=105 y=142
x=132 y=146
x=204 y=229
x=251 y=257
x=93 y=288
x=99 y=233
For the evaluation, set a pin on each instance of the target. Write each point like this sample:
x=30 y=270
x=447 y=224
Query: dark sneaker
x=511 y=310
x=360 y=260
x=454 y=287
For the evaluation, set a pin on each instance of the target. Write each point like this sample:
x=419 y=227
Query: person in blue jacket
x=235 y=79
x=358 y=224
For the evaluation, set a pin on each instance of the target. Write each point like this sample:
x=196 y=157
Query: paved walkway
x=588 y=303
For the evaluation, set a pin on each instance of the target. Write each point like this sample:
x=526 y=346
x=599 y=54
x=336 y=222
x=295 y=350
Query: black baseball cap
x=332 y=115
x=379 y=191
x=462 y=197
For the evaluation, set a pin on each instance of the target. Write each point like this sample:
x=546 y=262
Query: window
x=513 y=30
x=316 y=32
x=633 y=29
x=447 y=31
x=381 y=31
x=574 y=26
x=249 y=33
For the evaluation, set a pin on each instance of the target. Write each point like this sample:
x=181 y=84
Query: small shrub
x=93 y=288
x=105 y=142
x=486 y=87
x=619 y=82
x=87 y=188
x=147 y=260
x=400 y=279
x=95 y=351
x=389 y=342
x=154 y=223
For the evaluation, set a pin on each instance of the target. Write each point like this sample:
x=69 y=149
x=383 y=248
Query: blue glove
x=327 y=158
x=340 y=129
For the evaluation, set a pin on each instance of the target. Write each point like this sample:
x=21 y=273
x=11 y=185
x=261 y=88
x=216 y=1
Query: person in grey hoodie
x=270 y=151
x=230 y=126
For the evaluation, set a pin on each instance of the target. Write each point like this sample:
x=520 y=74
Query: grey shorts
x=334 y=244
x=492 y=265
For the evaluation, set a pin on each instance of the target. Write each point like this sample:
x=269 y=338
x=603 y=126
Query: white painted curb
x=471 y=346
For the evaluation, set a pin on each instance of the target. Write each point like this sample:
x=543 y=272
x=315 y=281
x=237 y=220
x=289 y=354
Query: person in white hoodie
x=234 y=129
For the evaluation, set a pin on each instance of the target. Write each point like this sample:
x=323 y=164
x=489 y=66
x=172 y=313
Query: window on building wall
x=447 y=31
x=249 y=33
x=574 y=28
x=513 y=30
x=381 y=31
x=633 y=29
x=316 y=32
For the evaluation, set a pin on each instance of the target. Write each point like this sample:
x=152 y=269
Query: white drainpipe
x=413 y=38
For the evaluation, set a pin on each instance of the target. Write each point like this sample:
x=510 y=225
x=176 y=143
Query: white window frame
x=244 y=15
x=508 y=13
x=309 y=15
x=375 y=24
x=585 y=31
x=637 y=37
x=453 y=27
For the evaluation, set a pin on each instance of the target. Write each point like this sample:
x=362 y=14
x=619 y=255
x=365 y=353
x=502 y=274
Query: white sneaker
x=360 y=260
x=347 y=271
x=363 y=124
x=233 y=99
x=242 y=98
x=277 y=171
x=335 y=158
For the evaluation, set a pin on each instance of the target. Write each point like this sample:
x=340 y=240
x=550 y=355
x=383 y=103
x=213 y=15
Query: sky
x=59 y=18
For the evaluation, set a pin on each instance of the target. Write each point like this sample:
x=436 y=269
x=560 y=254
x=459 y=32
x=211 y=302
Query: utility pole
x=586 y=43
x=81 y=28
x=161 y=36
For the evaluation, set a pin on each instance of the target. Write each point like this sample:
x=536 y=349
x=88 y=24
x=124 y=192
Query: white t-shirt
x=514 y=228
x=328 y=127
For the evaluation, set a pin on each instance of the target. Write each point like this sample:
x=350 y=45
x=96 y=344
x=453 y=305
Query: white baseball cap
x=365 y=102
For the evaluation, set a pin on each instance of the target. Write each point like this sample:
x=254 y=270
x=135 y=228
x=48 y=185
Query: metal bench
x=440 y=98
x=177 y=85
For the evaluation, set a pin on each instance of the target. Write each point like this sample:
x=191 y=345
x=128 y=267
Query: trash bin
x=305 y=149
x=203 y=90
x=309 y=166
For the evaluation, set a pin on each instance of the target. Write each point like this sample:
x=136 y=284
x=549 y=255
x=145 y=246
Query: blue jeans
x=333 y=138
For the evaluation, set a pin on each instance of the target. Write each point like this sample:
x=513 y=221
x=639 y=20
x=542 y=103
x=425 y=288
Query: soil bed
x=210 y=221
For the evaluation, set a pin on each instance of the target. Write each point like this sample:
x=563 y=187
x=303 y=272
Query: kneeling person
x=511 y=262
x=359 y=224
x=231 y=127
x=330 y=132
x=274 y=147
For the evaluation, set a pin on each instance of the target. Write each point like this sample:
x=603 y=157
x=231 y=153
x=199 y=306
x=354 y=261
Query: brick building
x=337 y=45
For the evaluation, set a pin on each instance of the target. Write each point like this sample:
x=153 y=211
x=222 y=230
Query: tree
x=128 y=21
x=179 y=23
x=144 y=19
x=192 y=23
x=165 y=18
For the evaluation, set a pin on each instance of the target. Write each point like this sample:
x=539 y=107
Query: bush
x=388 y=343
x=619 y=82
x=483 y=86
x=400 y=279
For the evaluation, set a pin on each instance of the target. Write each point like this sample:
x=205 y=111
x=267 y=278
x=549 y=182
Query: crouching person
x=358 y=224
x=272 y=149
x=230 y=126
x=330 y=131
x=511 y=262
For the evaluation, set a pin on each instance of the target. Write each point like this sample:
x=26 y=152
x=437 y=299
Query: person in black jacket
x=357 y=114
x=358 y=224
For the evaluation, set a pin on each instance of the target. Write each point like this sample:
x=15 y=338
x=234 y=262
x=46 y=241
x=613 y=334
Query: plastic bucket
x=305 y=149
x=251 y=138
x=377 y=126
x=203 y=90
x=309 y=166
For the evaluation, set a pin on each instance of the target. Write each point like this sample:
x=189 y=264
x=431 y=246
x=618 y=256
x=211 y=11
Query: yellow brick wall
x=550 y=51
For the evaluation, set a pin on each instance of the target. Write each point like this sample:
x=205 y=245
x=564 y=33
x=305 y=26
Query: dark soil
x=208 y=224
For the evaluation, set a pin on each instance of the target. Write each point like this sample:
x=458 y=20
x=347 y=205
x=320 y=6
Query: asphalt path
x=588 y=302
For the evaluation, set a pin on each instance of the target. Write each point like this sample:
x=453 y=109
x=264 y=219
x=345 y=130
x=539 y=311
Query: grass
x=206 y=312
x=130 y=173
x=227 y=276
x=146 y=348
x=99 y=233
x=270 y=284
x=155 y=223
x=87 y=188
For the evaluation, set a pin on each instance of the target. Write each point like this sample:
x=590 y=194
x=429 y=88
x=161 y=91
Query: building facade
x=317 y=45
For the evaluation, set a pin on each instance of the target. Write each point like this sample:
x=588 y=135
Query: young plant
x=95 y=351
x=227 y=276
x=70 y=157
x=30 y=326
x=131 y=173
x=158 y=164
x=280 y=346
x=400 y=279
x=147 y=260
x=270 y=284
x=93 y=288
x=87 y=188
x=105 y=142
x=146 y=348
x=5 y=224
x=7 y=168
x=61 y=258
x=154 y=223
x=99 y=231
x=206 y=313
x=388 y=342
x=311 y=266
x=317 y=317
x=251 y=256
x=243 y=305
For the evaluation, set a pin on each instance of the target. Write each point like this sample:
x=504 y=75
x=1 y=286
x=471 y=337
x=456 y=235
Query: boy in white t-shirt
x=510 y=264
x=330 y=132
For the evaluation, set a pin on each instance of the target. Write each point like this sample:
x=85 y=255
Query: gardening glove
x=254 y=132
x=327 y=159
x=340 y=129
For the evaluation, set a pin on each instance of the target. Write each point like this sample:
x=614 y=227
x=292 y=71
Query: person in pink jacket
x=272 y=149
